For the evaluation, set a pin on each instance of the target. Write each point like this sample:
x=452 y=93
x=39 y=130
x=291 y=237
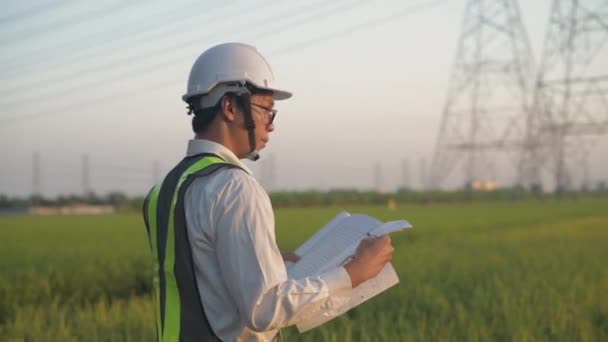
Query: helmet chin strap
x=253 y=155
x=250 y=125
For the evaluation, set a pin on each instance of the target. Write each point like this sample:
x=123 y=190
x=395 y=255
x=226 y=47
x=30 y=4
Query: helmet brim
x=279 y=95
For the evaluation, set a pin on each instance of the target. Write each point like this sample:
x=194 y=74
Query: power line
x=126 y=40
x=29 y=97
x=32 y=11
x=81 y=104
x=159 y=85
x=365 y=25
x=77 y=18
x=94 y=42
x=134 y=59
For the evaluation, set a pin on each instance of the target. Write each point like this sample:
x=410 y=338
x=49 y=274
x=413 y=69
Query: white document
x=332 y=246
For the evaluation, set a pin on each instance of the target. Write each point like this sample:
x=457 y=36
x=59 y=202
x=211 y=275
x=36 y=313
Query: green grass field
x=521 y=271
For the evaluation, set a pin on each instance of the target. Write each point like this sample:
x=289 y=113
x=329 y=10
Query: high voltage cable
x=133 y=59
x=31 y=11
x=61 y=77
x=369 y=24
x=79 y=17
x=164 y=50
x=75 y=50
x=172 y=82
x=77 y=105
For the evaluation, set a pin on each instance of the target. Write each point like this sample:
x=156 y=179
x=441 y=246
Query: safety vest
x=180 y=315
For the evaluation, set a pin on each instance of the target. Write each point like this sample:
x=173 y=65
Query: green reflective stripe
x=152 y=205
x=172 y=304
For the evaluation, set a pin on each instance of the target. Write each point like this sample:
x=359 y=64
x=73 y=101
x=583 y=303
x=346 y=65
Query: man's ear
x=228 y=109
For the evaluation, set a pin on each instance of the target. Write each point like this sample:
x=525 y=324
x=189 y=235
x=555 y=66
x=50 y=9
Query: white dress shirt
x=240 y=273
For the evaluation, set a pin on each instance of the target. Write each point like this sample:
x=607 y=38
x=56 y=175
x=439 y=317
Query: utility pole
x=424 y=177
x=36 y=184
x=86 y=176
x=405 y=175
x=487 y=105
x=378 y=177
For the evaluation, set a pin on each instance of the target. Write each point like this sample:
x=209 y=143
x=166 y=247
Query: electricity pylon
x=570 y=101
x=487 y=106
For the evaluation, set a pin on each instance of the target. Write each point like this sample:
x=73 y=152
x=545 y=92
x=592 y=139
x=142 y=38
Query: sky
x=103 y=81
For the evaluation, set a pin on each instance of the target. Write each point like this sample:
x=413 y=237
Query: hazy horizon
x=105 y=80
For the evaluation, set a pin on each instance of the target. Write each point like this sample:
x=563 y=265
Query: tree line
x=123 y=202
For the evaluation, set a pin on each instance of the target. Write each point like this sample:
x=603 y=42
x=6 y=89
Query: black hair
x=204 y=116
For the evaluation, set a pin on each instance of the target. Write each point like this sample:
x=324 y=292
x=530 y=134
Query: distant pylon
x=570 y=102
x=36 y=184
x=424 y=175
x=484 y=118
x=86 y=176
x=378 y=177
x=405 y=175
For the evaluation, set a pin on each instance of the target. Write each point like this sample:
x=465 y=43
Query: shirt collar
x=198 y=146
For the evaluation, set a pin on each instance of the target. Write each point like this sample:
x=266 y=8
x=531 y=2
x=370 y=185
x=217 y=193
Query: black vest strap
x=194 y=325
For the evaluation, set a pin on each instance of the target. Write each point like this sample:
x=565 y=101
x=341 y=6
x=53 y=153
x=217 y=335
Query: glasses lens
x=268 y=111
x=273 y=113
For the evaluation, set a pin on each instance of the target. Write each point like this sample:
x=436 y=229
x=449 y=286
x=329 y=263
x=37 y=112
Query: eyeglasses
x=271 y=112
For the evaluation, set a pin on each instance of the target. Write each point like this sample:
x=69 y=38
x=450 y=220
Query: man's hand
x=290 y=256
x=371 y=256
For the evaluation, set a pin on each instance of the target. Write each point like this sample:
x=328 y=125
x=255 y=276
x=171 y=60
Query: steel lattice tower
x=570 y=102
x=485 y=115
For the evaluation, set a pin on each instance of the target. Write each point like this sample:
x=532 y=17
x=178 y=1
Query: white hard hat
x=228 y=67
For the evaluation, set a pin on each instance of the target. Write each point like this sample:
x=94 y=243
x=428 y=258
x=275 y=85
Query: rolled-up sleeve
x=253 y=269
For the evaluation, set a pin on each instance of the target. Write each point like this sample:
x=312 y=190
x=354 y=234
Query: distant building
x=73 y=209
x=484 y=185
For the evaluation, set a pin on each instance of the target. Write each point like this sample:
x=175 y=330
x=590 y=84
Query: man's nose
x=271 y=127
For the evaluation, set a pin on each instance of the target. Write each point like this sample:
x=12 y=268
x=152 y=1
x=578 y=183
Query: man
x=218 y=273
